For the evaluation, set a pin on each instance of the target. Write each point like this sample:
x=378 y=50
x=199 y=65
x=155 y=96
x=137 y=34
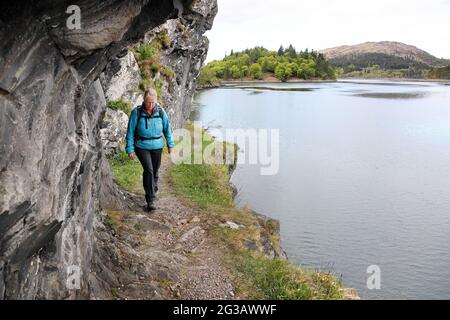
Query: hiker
x=144 y=139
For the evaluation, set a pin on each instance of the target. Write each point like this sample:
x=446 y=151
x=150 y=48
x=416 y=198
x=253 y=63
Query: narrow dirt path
x=165 y=254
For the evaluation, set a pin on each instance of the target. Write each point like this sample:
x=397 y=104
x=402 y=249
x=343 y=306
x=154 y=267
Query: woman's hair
x=150 y=93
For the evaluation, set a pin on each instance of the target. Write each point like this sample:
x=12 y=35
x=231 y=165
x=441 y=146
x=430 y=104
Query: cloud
x=321 y=24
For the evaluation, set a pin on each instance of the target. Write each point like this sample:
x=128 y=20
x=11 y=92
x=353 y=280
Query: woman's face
x=150 y=102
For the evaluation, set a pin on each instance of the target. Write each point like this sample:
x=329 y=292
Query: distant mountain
x=383 y=59
x=396 y=49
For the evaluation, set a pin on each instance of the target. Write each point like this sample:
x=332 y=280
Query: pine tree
x=281 y=51
x=291 y=52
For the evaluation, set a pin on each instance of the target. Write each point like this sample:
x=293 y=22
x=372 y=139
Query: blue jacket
x=153 y=127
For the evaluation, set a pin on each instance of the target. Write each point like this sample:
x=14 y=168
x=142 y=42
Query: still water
x=364 y=177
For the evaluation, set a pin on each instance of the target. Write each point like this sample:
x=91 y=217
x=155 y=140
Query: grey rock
x=113 y=131
x=121 y=78
x=54 y=177
x=232 y=225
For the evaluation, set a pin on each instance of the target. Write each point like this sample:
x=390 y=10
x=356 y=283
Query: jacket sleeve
x=167 y=130
x=130 y=132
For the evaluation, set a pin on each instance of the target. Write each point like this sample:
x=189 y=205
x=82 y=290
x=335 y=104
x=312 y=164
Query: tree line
x=258 y=63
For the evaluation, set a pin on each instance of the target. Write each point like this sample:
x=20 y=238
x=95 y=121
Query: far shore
x=238 y=82
x=229 y=83
x=446 y=81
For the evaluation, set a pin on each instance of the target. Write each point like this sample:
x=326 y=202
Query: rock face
x=185 y=53
x=121 y=78
x=113 y=131
x=54 y=180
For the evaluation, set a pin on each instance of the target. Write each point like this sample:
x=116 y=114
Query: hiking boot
x=150 y=207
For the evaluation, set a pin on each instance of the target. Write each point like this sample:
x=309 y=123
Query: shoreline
x=238 y=82
x=444 y=81
x=234 y=83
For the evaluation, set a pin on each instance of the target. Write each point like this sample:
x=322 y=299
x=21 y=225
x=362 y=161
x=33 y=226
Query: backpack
x=139 y=116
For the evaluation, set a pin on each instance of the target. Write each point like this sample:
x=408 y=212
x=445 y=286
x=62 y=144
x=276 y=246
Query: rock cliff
x=54 y=180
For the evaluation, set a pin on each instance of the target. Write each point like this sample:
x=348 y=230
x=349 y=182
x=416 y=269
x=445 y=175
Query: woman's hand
x=132 y=156
x=170 y=150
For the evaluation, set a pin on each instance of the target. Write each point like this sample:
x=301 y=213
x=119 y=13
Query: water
x=364 y=178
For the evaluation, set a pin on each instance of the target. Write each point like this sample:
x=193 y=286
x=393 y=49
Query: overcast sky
x=320 y=24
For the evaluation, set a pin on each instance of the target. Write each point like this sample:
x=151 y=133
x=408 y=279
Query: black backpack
x=139 y=116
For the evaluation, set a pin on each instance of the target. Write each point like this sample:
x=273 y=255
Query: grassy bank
x=206 y=189
x=127 y=173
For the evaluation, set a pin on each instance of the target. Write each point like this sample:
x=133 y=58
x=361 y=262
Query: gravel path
x=167 y=254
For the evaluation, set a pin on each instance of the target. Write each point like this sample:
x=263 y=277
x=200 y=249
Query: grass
x=277 y=279
x=164 y=39
x=256 y=276
x=147 y=52
x=120 y=105
x=201 y=184
x=148 y=57
x=127 y=173
x=167 y=72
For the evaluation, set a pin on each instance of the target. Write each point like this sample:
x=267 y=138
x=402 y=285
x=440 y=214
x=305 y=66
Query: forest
x=261 y=64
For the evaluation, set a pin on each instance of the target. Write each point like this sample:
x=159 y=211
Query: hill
x=385 y=59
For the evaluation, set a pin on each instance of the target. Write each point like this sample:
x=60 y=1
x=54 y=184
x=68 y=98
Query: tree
x=282 y=72
x=243 y=60
x=284 y=63
x=281 y=51
x=268 y=63
x=207 y=77
x=244 y=71
x=291 y=52
x=235 y=72
x=256 y=71
x=292 y=69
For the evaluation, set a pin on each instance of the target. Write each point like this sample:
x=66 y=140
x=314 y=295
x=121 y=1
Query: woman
x=146 y=127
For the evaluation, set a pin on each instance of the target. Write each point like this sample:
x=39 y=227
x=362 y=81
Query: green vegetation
x=148 y=51
x=148 y=57
x=120 y=105
x=208 y=78
x=276 y=279
x=167 y=72
x=380 y=65
x=440 y=73
x=259 y=88
x=204 y=185
x=376 y=72
x=259 y=63
x=164 y=39
x=127 y=173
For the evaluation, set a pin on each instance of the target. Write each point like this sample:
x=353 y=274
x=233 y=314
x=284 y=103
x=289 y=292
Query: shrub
x=164 y=39
x=120 y=105
x=256 y=71
x=167 y=72
x=146 y=51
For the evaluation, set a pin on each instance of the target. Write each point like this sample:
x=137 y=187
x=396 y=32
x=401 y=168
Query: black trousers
x=151 y=161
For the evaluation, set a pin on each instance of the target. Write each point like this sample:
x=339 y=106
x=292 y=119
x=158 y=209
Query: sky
x=321 y=24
